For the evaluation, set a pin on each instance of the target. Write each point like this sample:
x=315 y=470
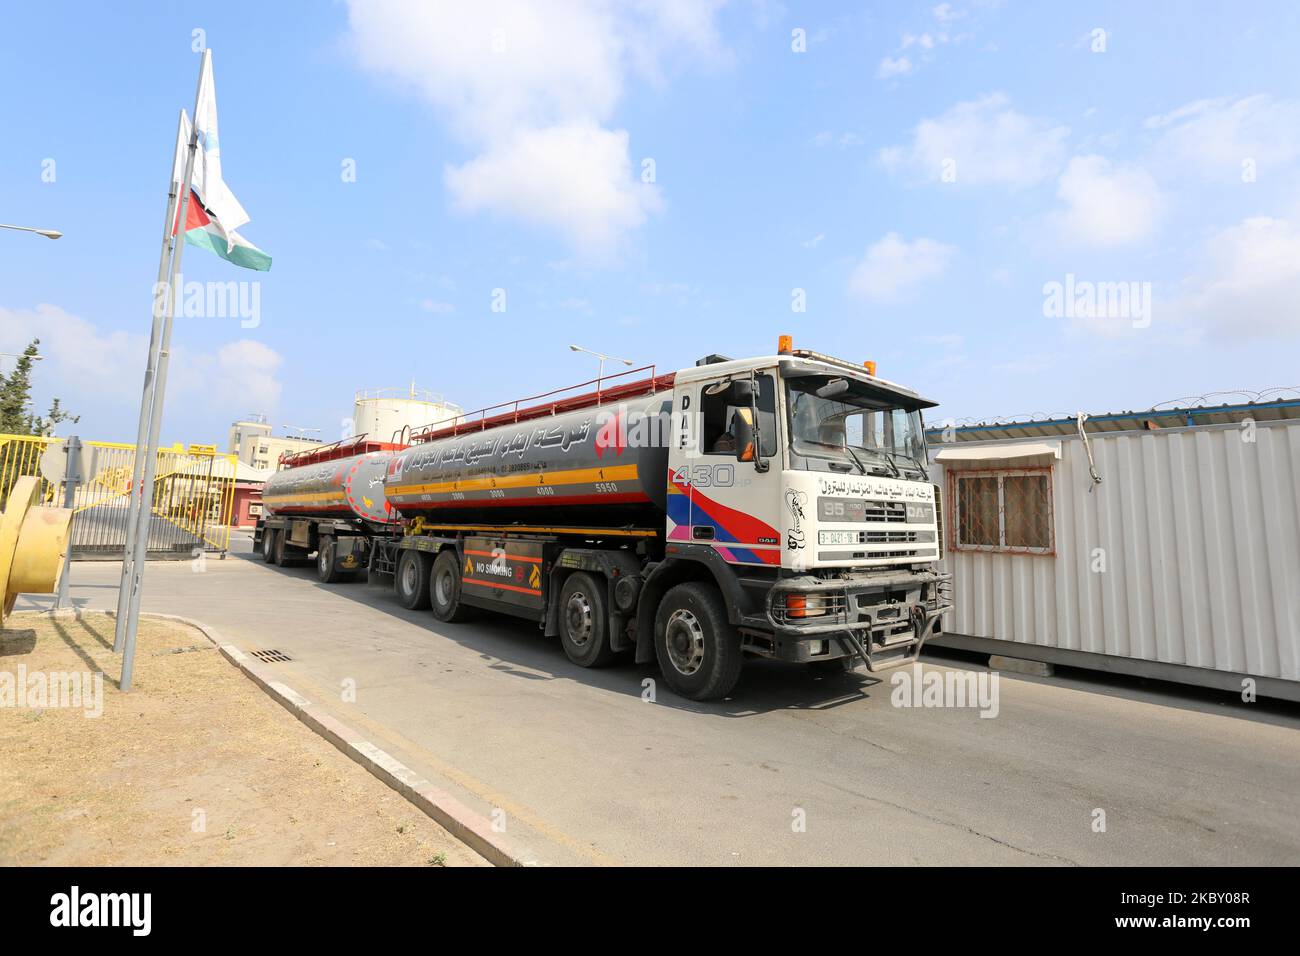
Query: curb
x=456 y=818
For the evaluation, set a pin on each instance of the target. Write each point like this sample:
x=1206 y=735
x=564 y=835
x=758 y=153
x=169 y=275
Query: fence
x=192 y=500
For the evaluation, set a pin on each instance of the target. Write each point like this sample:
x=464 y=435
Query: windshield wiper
x=856 y=460
x=913 y=459
x=884 y=457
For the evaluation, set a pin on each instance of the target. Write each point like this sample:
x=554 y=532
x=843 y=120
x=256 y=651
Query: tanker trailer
x=329 y=500
x=775 y=507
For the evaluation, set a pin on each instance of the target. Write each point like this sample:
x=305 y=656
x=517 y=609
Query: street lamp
x=47 y=233
x=18 y=355
x=603 y=358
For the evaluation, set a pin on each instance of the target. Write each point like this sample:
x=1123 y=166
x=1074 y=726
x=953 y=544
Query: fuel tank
x=350 y=487
x=603 y=466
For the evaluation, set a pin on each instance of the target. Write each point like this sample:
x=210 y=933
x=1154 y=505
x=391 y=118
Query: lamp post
x=603 y=359
x=47 y=233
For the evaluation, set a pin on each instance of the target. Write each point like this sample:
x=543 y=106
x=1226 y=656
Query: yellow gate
x=193 y=495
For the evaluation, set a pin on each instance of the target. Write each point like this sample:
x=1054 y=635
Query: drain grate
x=271 y=656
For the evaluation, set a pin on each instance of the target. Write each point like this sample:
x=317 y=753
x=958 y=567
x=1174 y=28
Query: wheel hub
x=580 y=619
x=685 y=640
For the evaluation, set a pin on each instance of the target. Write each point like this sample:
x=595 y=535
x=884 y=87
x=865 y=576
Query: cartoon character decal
x=795 y=500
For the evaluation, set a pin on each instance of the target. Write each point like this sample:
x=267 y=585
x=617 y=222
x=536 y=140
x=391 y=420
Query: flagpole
x=155 y=424
x=146 y=400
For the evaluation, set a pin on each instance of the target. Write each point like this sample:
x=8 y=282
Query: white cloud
x=814 y=242
x=436 y=307
x=945 y=13
x=893 y=266
x=988 y=142
x=574 y=178
x=99 y=373
x=531 y=87
x=1107 y=205
x=1213 y=137
x=1249 y=286
x=894 y=66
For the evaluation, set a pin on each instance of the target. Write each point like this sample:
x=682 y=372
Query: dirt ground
x=196 y=766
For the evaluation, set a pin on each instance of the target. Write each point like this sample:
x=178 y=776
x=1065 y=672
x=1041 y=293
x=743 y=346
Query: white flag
x=217 y=197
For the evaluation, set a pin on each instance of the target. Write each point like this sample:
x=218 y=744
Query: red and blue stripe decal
x=733 y=530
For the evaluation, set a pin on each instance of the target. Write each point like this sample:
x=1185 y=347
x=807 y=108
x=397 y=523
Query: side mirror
x=742 y=392
x=743 y=430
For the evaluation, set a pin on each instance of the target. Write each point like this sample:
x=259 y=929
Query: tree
x=16 y=417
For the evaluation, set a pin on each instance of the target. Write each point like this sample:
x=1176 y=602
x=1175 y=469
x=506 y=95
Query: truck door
x=723 y=499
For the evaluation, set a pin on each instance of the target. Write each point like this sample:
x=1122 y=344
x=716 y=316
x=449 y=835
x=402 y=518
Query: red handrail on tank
x=520 y=410
x=343 y=448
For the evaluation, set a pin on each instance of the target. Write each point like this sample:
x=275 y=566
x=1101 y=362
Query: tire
x=411 y=580
x=584 y=620
x=278 y=558
x=327 y=562
x=444 y=589
x=698 y=649
x=268 y=545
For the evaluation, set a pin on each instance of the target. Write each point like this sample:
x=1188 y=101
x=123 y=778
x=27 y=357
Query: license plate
x=837 y=537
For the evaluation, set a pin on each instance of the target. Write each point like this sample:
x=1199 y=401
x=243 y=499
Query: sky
x=1014 y=208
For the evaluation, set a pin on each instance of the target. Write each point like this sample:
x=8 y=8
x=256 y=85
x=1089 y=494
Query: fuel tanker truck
x=773 y=507
x=328 y=500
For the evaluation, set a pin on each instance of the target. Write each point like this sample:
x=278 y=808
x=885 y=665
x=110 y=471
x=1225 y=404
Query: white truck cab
x=805 y=476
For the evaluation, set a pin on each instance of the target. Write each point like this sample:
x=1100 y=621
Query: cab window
x=717 y=415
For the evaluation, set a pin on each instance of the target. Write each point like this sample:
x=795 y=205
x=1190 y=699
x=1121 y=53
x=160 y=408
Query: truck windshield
x=853 y=426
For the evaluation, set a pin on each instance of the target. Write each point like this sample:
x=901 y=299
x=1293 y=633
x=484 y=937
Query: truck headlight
x=806 y=605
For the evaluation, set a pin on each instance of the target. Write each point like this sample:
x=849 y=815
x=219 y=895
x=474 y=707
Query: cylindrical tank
x=388 y=414
x=350 y=487
x=602 y=466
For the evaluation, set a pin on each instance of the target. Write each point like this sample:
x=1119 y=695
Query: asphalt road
x=793 y=769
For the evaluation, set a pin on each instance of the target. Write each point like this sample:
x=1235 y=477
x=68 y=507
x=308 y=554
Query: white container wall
x=1187 y=553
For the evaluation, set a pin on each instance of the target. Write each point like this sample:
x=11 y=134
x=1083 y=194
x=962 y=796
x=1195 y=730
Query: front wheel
x=444 y=589
x=698 y=649
x=584 y=621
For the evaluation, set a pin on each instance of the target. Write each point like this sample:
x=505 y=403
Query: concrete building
x=252 y=442
x=1181 y=563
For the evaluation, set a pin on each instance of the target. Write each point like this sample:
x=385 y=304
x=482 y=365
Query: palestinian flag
x=202 y=230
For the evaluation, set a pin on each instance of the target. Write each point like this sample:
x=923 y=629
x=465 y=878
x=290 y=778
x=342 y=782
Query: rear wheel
x=327 y=562
x=412 y=580
x=279 y=559
x=268 y=545
x=584 y=621
x=444 y=589
x=698 y=649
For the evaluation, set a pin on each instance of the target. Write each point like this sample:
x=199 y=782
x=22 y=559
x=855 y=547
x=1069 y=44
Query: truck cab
x=800 y=481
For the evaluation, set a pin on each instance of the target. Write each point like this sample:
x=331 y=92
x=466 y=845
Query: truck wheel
x=279 y=559
x=412 y=580
x=584 y=621
x=444 y=589
x=698 y=649
x=327 y=562
x=268 y=545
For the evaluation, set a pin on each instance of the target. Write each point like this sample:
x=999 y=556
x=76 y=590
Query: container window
x=1005 y=511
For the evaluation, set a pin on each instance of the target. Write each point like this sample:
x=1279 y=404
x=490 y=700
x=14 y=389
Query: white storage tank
x=391 y=414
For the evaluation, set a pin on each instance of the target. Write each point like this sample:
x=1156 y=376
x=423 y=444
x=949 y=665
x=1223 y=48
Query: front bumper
x=882 y=618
